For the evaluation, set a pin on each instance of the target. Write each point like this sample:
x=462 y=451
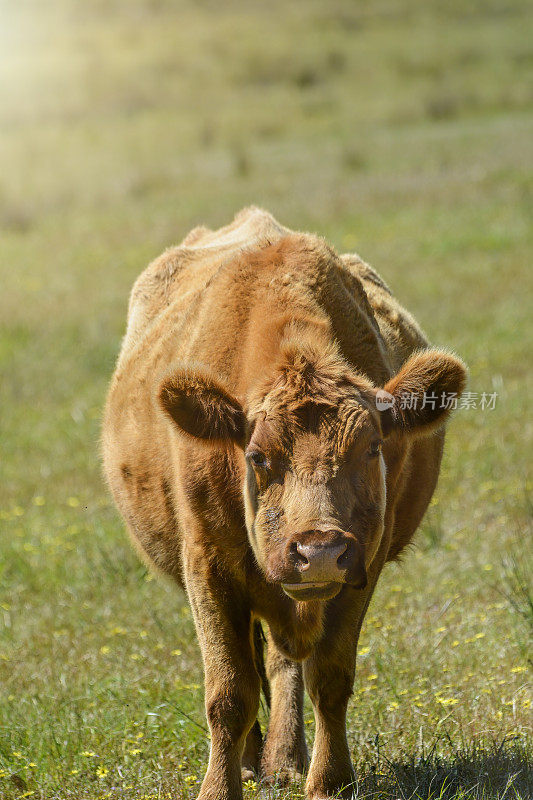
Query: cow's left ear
x=201 y=406
x=421 y=396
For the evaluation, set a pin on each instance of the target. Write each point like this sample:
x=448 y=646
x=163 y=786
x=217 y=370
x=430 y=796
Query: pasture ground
x=400 y=129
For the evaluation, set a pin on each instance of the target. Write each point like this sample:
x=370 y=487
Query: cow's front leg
x=232 y=684
x=285 y=751
x=329 y=675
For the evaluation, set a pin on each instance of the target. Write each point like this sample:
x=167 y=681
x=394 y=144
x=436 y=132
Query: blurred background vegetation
x=401 y=129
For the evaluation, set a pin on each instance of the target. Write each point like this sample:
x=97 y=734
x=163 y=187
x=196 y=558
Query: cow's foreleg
x=232 y=686
x=285 y=751
x=329 y=675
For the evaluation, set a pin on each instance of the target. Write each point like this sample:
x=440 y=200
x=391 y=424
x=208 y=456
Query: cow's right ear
x=200 y=406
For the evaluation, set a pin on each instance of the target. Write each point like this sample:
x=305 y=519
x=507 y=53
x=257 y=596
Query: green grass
x=402 y=130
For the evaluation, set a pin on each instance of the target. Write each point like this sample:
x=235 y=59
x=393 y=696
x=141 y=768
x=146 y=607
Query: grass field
x=401 y=129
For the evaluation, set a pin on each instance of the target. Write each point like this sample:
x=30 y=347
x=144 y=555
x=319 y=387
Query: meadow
x=400 y=129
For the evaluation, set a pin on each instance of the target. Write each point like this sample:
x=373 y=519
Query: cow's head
x=314 y=484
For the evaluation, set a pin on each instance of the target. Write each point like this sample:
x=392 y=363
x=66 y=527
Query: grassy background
x=401 y=129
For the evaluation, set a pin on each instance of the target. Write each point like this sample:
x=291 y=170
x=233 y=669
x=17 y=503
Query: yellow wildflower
x=447 y=701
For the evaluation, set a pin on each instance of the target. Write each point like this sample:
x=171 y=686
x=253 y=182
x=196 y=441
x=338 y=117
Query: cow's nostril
x=300 y=558
x=343 y=558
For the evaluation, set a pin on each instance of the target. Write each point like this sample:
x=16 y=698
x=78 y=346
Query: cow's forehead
x=314 y=431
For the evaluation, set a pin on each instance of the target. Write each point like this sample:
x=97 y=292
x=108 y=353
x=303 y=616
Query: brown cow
x=246 y=449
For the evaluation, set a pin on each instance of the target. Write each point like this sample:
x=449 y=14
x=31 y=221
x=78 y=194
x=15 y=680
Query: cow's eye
x=258 y=459
x=375 y=448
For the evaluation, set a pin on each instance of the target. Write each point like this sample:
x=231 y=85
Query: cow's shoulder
x=401 y=332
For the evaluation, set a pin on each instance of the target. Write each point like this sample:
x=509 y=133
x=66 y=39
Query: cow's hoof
x=282 y=768
x=283 y=776
x=332 y=791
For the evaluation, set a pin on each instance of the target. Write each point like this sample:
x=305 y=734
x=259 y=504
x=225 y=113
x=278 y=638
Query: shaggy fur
x=243 y=446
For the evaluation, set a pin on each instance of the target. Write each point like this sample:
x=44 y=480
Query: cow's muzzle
x=322 y=562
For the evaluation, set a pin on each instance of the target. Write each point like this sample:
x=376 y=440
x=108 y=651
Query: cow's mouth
x=312 y=591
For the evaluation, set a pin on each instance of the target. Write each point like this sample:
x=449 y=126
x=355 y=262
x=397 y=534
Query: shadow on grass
x=500 y=772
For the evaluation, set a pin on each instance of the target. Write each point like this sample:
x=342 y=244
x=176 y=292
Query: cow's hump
x=251 y=226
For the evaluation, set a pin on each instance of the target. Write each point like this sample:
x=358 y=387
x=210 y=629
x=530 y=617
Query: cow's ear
x=200 y=405
x=421 y=396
